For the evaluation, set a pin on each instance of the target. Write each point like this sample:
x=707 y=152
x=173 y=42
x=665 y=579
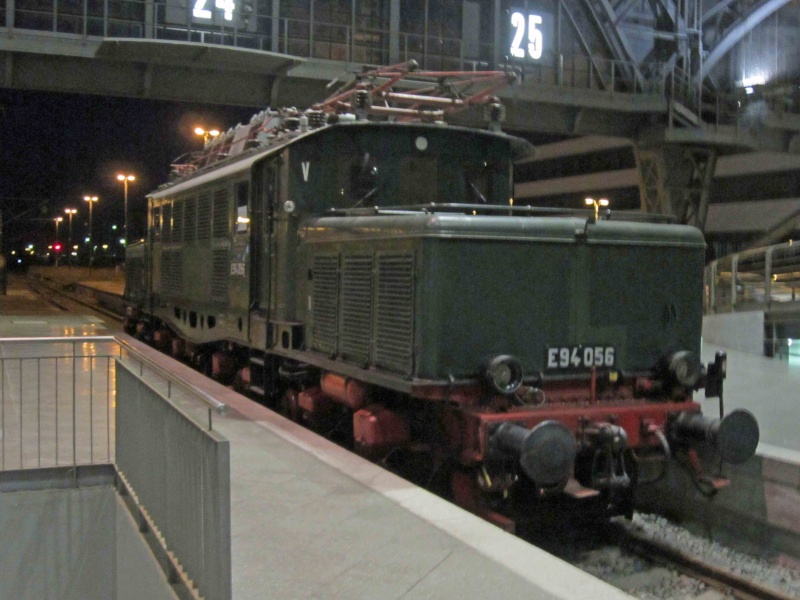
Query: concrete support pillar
x=276 y=25
x=149 y=19
x=676 y=179
x=394 y=32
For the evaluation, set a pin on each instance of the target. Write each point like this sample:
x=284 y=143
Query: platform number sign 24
x=201 y=12
x=528 y=37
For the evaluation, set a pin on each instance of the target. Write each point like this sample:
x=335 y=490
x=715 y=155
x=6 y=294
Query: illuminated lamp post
x=91 y=200
x=597 y=204
x=125 y=179
x=55 y=246
x=206 y=133
x=70 y=212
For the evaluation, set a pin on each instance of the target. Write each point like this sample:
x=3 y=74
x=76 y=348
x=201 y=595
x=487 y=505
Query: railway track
x=56 y=295
x=725 y=580
x=653 y=559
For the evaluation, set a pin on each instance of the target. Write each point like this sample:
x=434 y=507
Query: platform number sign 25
x=528 y=36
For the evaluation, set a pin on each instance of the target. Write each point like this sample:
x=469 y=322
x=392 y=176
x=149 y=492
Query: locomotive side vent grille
x=325 y=305
x=166 y=229
x=171 y=272
x=220 y=227
x=177 y=221
x=190 y=219
x=394 y=319
x=356 y=313
x=219 y=275
x=204 y=216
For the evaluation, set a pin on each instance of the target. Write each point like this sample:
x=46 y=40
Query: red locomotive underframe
x=637 y=418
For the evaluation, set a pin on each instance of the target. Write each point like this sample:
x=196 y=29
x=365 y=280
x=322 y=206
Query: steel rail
x=36 y=284
x=741 y=587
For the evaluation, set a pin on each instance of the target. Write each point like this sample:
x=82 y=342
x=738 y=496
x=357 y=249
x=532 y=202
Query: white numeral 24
x=200 y=12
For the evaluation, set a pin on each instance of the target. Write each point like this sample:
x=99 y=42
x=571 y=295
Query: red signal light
x=57 y=247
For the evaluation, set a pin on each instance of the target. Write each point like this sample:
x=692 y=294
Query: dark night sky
x=57 y=148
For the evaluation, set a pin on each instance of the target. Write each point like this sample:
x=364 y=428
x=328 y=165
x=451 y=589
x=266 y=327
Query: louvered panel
x=177 y=221
x=190 y=219
x=325 y=306
x=171 y=272
x=204 y=216
x=219 y=275
x=166 y=219
x=394 y=314
x=221 y=213
x=356 y=311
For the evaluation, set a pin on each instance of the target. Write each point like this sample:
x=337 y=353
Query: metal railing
x=77 y=401
x=180 y=476
x=57 y=399
x=56 y=402
x=759 y=279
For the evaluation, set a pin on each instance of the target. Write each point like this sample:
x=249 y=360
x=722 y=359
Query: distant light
x=122 y=241
x=105 y=246
x=86 y=240
x=748 y=90
x=19 y=260
x=242 y=220
x=789 y=341
x=75 y=247
x=113 y=227
x=50 y=247
x=13 y=253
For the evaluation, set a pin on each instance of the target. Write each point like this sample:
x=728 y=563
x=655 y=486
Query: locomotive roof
x=558 y=229
x=519 y=148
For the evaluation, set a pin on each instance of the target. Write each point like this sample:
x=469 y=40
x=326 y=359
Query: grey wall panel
x=57 y=544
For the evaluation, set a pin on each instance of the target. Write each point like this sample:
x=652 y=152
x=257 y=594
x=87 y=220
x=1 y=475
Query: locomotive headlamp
x=503 y=373
x=685 y=368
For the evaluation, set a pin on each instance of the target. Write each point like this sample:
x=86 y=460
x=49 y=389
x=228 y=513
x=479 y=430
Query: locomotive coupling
x=735 y=436
x=546 y=453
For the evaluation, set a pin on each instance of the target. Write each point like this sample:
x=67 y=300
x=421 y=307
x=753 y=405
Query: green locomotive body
x=379 y=274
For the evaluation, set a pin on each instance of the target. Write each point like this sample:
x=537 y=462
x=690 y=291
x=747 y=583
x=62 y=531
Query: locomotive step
x=257 y=390
x=577 y=491
x=257 y=360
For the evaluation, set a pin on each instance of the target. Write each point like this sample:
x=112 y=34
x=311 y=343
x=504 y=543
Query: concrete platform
x=311 y=520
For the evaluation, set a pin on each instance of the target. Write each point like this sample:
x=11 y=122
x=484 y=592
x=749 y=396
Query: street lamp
x=55 y=246
x=91 y=200
x=597 y=204
x=70 y=212
x=125 y=179
x=206 y=133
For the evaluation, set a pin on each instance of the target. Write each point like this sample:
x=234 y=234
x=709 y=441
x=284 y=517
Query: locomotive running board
x=573 y=489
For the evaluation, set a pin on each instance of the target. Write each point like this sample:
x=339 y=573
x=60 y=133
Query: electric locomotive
x=363 y=268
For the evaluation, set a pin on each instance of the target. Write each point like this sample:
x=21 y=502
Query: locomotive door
x=264 y=191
